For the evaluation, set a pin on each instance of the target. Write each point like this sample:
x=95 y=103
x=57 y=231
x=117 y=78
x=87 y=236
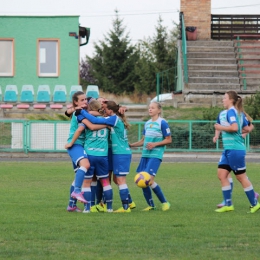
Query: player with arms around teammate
x=121 y=153
x=232 y=122
x=96 y=146
x=77 y=154
x=156 y=135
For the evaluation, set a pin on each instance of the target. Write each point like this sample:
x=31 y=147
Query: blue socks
x=93 y=192
x=79 y=178
x=157 y=190
x=251 y=195
x=123 y=193
x=226 y=191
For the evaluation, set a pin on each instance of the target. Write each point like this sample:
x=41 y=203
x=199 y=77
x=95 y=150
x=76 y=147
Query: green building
x=40 y=50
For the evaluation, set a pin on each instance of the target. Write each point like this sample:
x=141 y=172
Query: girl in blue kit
x=156 y=135
x=121 y=153
x=77 y=154
x=232 y=123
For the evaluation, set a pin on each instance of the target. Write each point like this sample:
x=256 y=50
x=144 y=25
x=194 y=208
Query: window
x=6 y=57
x=48 y=57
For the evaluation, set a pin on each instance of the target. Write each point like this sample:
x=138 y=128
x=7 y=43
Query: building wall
x=26 y=30
x=198 y=13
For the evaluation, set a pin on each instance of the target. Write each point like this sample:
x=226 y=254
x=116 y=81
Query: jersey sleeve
x=231 y=116
x=166 y=131
x=96 y=120
x=81 y=124
x=245 y=120
x=218 y=120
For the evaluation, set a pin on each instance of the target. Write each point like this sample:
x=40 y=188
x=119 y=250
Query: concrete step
x=251 y=80
x=249 y=61
x=212 y=61
x=251 y=55
x=213 y=87
x=209 y=43
x=214 y=55
x=247 y=43
x=214 y=67
x=213 y=73
x=210 y=49
x=226 y=80
x=251 y=87
x=193 y=105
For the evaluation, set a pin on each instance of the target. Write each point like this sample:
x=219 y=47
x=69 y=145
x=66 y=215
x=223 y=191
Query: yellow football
x=142 y=179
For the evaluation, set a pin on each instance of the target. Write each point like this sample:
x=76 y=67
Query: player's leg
x=86 y=187
x=93 y=190
x=238 y=160
x=80 y=158
x=223 y=171
x=72 y=207
x=121 y=170
x=103 y=176
x=146 y=191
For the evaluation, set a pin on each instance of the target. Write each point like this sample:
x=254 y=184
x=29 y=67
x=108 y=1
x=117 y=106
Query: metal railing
x=51 y=136
x=242 y=74
x=224 y=26
x=184 y=49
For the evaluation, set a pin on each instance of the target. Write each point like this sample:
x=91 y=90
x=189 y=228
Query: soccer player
x=230 y=179
x=96 y=146
x=77 y=154
x=156 y=135
x=121 y=153
x=232 y=122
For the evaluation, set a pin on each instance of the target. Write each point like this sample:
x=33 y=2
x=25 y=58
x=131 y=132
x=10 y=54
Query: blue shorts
x=150 y=165
x=233 y=160
x=121 y=164
x=110 y=161
x=76 y=153
x=98 y=166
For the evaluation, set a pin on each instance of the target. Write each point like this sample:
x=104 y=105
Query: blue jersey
x=232 y=140
x=96 y=142
x=155 y=131
x=118 y=132
x=73 y=127
x=118 y=135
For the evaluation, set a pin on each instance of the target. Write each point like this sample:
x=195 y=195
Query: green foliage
x=5 y=134
x=157 y=54
x=119 y=67
x=211 y=113
x=201 y=136
x=114 y=61
x=35 y=224
x=252 y=106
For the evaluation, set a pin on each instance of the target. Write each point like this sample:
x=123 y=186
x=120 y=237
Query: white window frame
x=41 y=58
x=4 y=56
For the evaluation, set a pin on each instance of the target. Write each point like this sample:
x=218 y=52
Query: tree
x=114 y=60
x=86 y=78
x=156 y=54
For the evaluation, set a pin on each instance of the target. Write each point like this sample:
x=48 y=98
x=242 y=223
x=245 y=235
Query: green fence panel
x=51 y=136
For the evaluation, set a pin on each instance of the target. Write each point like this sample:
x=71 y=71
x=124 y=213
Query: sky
x=139 y=16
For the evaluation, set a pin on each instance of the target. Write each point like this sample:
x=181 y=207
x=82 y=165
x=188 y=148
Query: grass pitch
x=35 y=223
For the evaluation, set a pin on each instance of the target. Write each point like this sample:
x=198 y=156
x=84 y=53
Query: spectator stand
x=43 y=97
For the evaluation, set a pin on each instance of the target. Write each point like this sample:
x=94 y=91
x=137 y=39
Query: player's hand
x=150 y=146
x=122 y=110
x=215 y=138
x=67 y=146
